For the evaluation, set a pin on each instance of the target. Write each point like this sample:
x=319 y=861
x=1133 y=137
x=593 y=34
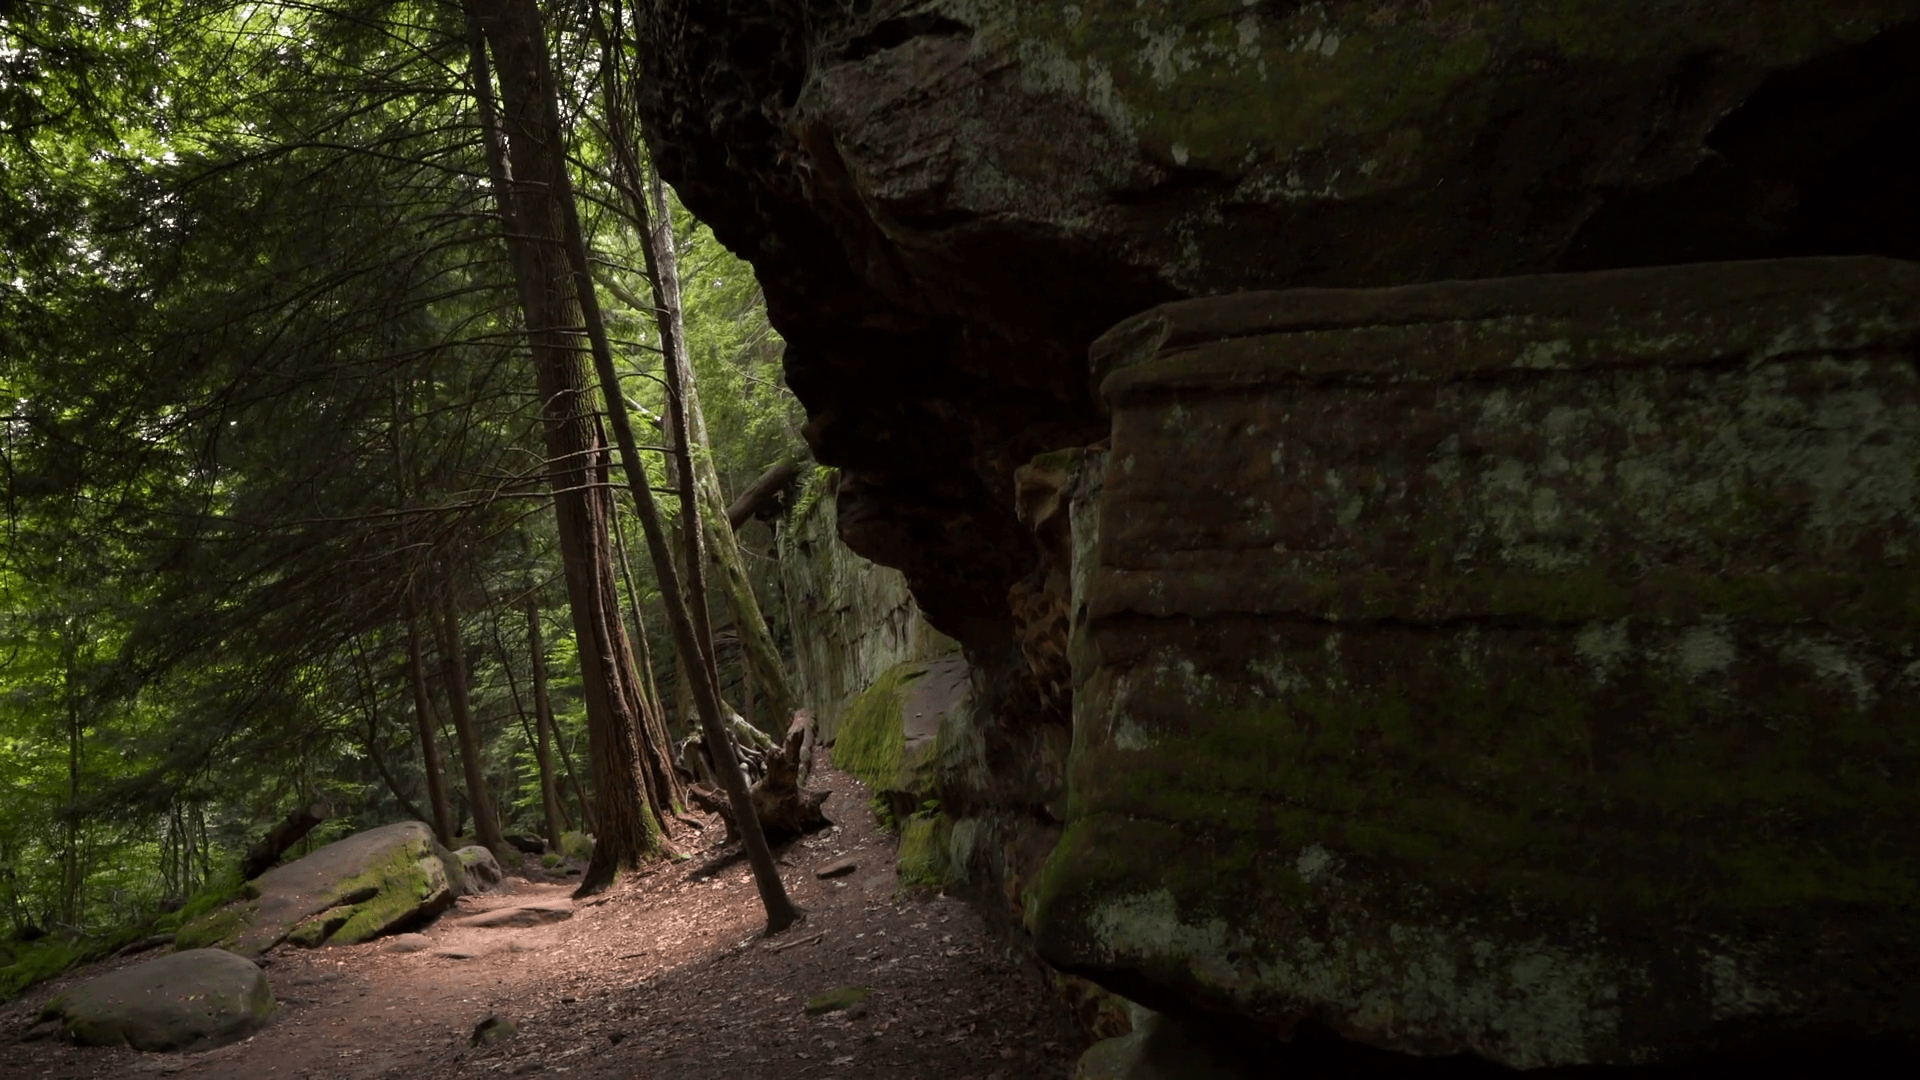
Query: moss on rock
x=1548 y=669
x=922 y=859
x=871 y=736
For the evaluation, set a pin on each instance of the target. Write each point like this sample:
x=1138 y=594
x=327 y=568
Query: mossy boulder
x=890 y=737
x=353 y=889
x=1533 y=679
x=479 y=870
x=189 y=1000
x=577 y=846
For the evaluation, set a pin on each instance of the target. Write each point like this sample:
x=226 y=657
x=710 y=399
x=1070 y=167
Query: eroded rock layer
x=947 y=201
x=1535 y=677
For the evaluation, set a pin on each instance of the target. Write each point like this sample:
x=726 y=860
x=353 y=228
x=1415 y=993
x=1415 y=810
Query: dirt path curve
x=665 y=976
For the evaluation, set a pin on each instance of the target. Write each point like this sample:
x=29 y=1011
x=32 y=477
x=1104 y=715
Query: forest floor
x=664 y=976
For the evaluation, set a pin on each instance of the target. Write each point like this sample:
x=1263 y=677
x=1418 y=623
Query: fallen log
x=764 y=487
x=266 y=851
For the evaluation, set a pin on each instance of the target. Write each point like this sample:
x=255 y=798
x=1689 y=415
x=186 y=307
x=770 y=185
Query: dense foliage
x=266 y=400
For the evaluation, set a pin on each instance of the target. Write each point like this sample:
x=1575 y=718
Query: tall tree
x=692 y=637
x=633 y=777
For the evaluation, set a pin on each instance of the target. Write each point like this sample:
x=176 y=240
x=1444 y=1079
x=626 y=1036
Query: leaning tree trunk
x=453 y=667
x=263 y=853
x=773 y=893
x=634 y=782
x=756 y=641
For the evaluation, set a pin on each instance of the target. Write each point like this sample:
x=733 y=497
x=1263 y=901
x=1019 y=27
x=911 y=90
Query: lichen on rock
x=1369 y=731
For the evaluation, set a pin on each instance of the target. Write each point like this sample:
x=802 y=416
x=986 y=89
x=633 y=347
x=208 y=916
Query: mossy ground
x=36 y=962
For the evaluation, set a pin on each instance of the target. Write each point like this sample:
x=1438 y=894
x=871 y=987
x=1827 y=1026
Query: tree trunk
x=652 y=710
x=370 y=693
x=423 y=715
x=773 y=894
x=764 y=487
x=72 y=881
x=543 y=719
x=633 y=781
x=751 y=625
x=453 y=666
x=263 y=853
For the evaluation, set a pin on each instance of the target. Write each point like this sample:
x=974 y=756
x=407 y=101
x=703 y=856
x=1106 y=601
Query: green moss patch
x=871 y=737
x=922 y=859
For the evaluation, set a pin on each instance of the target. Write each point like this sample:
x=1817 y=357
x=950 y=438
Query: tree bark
x=423 y=717
x=634 y=783
x=749 y=622
x=372 y=697
x=473 y=764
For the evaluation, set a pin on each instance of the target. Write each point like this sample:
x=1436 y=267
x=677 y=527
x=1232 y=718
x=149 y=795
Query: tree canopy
x=278 y=509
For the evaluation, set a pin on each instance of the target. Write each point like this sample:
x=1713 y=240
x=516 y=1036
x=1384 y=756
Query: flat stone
x=409 y=943
x=547 y=911
x=838 y=868
x=189 y=1000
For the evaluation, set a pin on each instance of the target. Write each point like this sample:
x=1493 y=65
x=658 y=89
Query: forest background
x=280 y=481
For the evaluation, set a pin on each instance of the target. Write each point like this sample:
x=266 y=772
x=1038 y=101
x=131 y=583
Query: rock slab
x=1534 y=677
x=189 y=1000
x=540 y=914
x=354 y=889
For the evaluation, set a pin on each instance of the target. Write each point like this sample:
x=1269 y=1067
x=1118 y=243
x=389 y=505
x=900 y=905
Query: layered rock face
x=948 y=201
x=1535 y=678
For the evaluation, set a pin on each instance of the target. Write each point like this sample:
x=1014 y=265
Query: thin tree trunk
x=633 y=780
x=70 y=877
x=371 y=696
x=749 y=622
x=543 y=719
x=423 y=716
x=652 y=710
x=453 y=666
x=773 y=894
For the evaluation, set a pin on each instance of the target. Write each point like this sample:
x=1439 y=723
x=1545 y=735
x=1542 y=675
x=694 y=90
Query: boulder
x=479 y=869
x=189 y=1000
x=947 y=201
x=577 y=846
x=353 y=889
x=1535 y=678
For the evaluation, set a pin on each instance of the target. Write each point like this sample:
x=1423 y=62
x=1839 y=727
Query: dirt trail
x=664 y=976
